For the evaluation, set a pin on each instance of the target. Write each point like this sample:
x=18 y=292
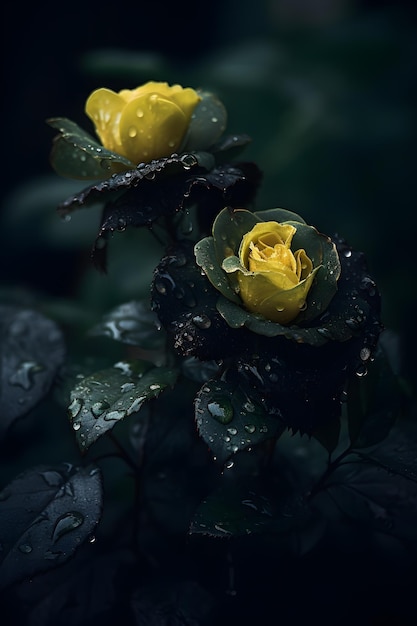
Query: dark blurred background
x=325 y=88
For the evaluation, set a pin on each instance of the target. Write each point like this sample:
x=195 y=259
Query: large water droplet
x=75 y=407
x=66 y=523
x=114 y=415
x=52 y=478
x=23 y=376
x=99 y=408
x=25 y=548
x=222 y=412
x=202 y=321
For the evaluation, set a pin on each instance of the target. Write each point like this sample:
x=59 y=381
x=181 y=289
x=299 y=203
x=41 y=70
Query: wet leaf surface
x=229 y=419
x=100 y=401
x=131 y=323
x=46 y=513
x=31 y=350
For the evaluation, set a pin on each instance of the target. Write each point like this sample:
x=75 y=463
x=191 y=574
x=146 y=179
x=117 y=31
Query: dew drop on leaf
x=66 y=523
x=223 y=412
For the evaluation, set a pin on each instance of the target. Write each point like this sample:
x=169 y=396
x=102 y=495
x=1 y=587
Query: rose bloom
x=142 y=124
x=273 y=280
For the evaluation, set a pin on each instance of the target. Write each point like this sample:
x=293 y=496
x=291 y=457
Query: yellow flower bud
x=275 y=280
x=145 y=123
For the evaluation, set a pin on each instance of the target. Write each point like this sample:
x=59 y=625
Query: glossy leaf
x=100 y=401
x=131 y=323
x=32 y=350
x=45 y=515
x=229 y=419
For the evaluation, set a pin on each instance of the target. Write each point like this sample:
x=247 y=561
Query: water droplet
x=347 y=253
x=51 y=556
x=361 y=371
x=52 y=478
x=223 y=413
x=75 y=407
x=160 y=287
x=365 y=354
x=232 y=431
x=25 y=548
x=188 y=161
x=112 y=416
x=249 y=407
x=66 y=523
x=105 y=164
x=250 y=504
x=154 y=387
x=124 y=367
x=23 y=376
x=229 y=464
x=127 y=387
x=202 y=321
x=250 y=428
x=132 y=132
x=121 y=224
x=76 y=425
x=99 y=408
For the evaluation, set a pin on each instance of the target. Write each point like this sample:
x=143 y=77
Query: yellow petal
x=266 y=232
x=151 y=127
x=145 y=123
x=261 y=295
x=304 y=264
x=104 y=108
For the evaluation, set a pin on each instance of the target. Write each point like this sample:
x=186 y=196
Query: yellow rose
x=274 y=281
x=145 y=123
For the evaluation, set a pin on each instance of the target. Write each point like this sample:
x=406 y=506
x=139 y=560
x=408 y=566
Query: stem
x=330 y=469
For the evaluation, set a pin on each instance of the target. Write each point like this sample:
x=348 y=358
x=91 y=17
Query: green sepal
x=205 y=254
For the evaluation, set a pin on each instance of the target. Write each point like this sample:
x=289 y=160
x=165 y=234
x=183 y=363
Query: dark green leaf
x=101 y=400
x=376 y=499
x=375 y=401
x=132 y=323
x=46 y=513
x=75 y=154
x=32 y=350
x=229 y=419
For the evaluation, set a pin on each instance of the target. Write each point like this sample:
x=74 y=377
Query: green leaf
x=46 y=513
x=374 y=402
x=101 y=400
x=32 y=350
x=132 y=323
x=75 y=154
x=229 y=419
